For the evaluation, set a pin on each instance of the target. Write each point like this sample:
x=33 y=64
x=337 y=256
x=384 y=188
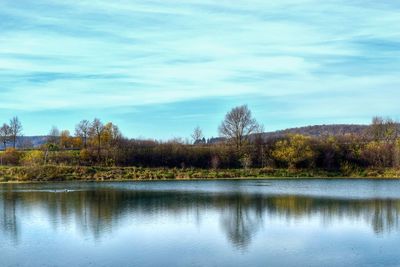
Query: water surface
x=201 y=223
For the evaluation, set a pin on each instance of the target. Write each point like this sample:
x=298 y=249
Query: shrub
x=10 y=157
x=35 y=157
x=294 y=150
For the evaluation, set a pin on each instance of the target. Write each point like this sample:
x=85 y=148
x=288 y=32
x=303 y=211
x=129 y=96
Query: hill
x=27 y=142
x=314 y=131
x=321 y=130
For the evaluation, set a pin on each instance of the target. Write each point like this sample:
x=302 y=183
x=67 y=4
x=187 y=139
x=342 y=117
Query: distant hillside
x=321 y=130
x=314 y=131
x=31 y=141
x=27 y=142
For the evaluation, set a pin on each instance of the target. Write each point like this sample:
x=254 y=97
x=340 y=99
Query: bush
x=31 y=158
x=63 y=157
x=294 y=151
x=10 y=157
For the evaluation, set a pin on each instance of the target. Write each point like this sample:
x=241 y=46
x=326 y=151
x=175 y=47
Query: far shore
x=49 y=173
x=202 y=179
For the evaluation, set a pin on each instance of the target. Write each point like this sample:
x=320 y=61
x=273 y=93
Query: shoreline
x=200 y=180
x=57 y=173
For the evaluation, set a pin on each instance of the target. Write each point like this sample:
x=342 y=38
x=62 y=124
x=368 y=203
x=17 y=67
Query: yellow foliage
x=378 y=153
x=69 y=142
x=294 y=150
x=35 y=157
x=84 y=155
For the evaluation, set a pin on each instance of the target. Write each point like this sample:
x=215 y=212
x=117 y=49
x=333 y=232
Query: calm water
x=201 y=223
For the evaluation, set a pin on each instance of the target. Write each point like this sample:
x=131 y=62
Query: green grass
x=94 y=173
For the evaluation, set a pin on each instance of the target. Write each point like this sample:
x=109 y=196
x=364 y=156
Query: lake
x=302 y=222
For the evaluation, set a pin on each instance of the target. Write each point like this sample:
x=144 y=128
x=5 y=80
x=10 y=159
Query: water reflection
x=99 y=211
x=241 y=221
x=9 y=222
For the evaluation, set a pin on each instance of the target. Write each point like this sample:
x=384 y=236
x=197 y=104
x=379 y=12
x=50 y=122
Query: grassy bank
x=73 y=173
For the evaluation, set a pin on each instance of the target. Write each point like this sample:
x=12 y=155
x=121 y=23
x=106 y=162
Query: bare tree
x=82 y=130
x=16 y=130
x=387 y=130
x=53 y=138
x=384 y=129
x=5 y=132
x=238 y=125
x=197 y=135
x=26 y=143
x=96 y=131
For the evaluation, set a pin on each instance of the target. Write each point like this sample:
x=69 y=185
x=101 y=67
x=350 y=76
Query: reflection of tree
x=240 y=222
x=385 y=216
x=99 y=211
x=9 y=223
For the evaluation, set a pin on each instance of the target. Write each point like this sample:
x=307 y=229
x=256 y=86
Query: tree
x=197 y=135
x=35 y=157
x=66 y=142
x=294 y=150
x=110 y=134
x=384 y=129
x=377 y=154
x=110 y=141
x=5 y=132
x=53 y=138
x=16 y=130
x=387 y=131
x=82 y=130
x=238 y=125
x=96 y=131
x=26 y=143
x=246 y=161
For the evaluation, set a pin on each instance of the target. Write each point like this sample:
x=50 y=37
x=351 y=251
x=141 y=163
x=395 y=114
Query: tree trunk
x=98 y=148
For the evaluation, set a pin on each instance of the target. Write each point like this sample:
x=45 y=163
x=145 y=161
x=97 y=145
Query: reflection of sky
x=324 y=188
x=179 y=64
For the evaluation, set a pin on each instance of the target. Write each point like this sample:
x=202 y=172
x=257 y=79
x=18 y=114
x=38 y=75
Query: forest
x=241 y=146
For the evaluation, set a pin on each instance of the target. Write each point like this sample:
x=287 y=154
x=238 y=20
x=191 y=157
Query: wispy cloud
x=104 y=56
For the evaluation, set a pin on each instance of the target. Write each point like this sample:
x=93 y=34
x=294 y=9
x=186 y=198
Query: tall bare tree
x=238 y=125
x=387 y=130
x=384 y=129
x=197 y=135
x=16 y=130
x=96 y=131
x=53 y=138
x=82 y=130
x=5 y=132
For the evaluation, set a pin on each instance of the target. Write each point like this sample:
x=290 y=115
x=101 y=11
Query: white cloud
x=109 y=54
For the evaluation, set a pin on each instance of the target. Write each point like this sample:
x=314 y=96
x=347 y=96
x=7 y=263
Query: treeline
x=242 y=146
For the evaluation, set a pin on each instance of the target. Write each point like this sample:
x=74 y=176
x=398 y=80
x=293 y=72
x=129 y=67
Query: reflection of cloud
x=100 y=212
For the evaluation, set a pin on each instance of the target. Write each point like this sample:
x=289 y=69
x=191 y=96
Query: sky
x=159 y=68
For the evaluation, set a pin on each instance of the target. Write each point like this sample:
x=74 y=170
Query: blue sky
x=160 y=68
